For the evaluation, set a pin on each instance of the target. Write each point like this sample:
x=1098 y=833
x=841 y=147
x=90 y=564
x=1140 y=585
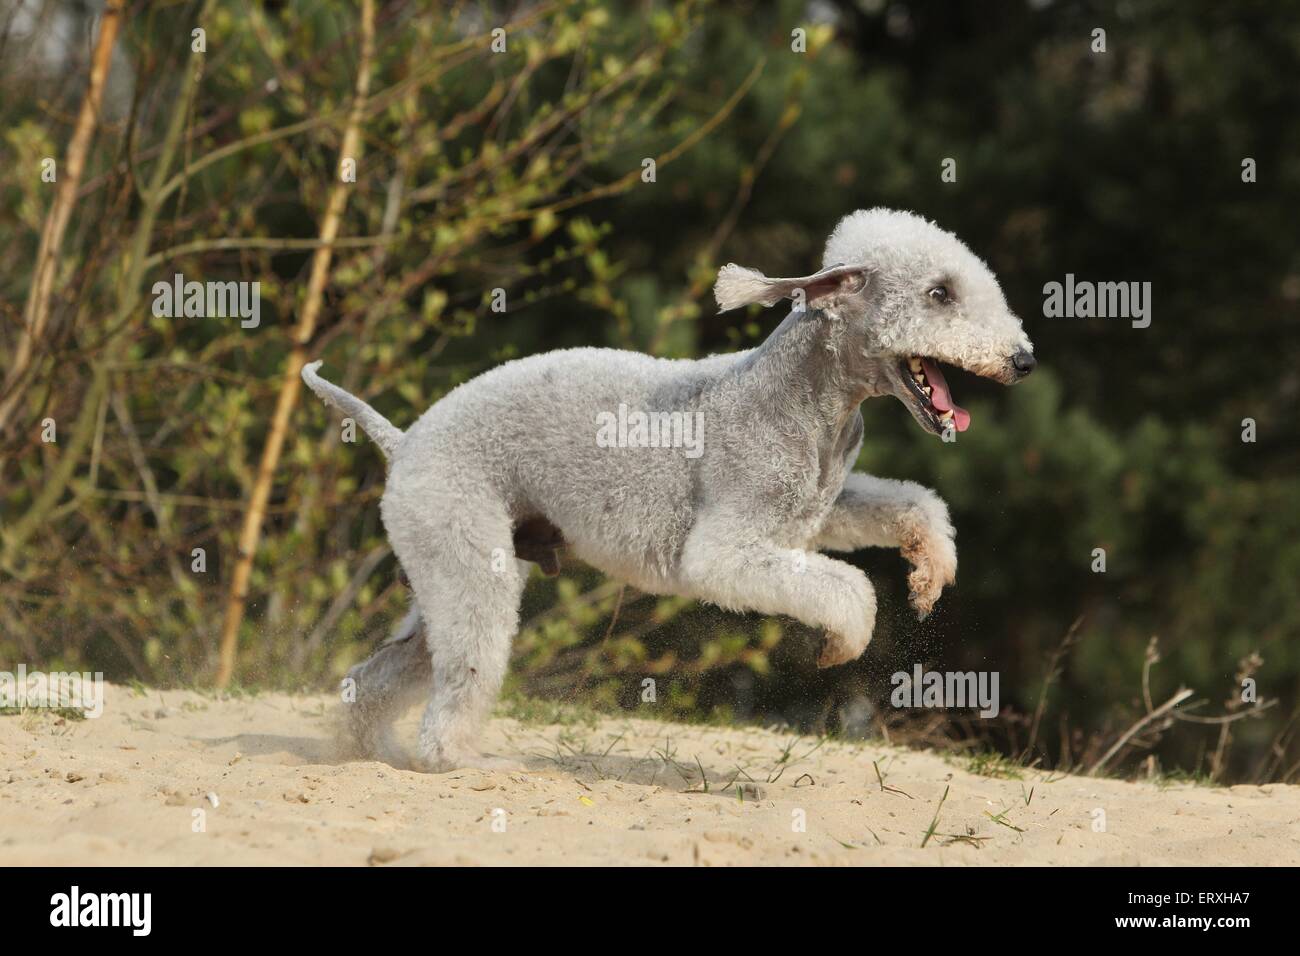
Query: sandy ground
x=264 y=772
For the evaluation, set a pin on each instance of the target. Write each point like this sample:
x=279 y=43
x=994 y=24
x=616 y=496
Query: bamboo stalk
x=36 y=314
x=251 y=533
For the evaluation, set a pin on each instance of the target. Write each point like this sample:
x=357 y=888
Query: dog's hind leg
x=383 y=686
x=455 y=543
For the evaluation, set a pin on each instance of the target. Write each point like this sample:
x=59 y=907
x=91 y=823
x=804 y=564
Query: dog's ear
x=738 y=286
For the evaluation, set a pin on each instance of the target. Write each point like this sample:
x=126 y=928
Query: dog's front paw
x=933 y=557
x=837 y=650
x=846 y=643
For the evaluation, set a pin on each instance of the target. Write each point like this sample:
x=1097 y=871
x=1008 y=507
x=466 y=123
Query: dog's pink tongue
x=940 y=397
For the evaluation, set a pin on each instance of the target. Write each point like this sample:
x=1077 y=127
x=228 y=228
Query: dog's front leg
x=724 y=565
x=881 y=513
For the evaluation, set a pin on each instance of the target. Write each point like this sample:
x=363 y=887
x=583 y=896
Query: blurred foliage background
x=521 y=170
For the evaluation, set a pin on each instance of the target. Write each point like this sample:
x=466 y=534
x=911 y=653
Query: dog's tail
x=383 y=432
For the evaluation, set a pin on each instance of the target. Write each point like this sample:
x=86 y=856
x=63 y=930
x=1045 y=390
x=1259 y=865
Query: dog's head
x=907 y=296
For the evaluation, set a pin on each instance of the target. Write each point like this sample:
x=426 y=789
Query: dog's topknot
x=863 y=236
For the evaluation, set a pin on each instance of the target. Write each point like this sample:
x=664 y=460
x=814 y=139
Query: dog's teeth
x=914 y=364
x=946 y=415
x=919 y=379
x=928 y=390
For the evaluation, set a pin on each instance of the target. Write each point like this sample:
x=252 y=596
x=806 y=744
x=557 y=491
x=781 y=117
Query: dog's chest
x=812 y=487
x=837 y=450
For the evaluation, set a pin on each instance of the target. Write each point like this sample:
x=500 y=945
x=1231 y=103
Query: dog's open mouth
x=930 y=390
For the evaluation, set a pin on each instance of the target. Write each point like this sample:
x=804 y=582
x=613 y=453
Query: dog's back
x=602 y=443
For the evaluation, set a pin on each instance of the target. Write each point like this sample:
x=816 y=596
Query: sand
x=179 y=778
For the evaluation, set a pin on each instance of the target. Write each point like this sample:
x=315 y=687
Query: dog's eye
x=940 y=294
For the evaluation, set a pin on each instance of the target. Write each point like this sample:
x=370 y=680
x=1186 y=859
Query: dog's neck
x=813 y=357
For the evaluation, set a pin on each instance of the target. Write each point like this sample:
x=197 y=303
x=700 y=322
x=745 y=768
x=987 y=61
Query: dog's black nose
x=1024 y=362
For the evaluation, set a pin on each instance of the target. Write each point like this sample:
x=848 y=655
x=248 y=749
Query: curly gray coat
x=724 y=478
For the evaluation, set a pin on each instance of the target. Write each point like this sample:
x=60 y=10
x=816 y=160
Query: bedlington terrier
x=721 y=479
